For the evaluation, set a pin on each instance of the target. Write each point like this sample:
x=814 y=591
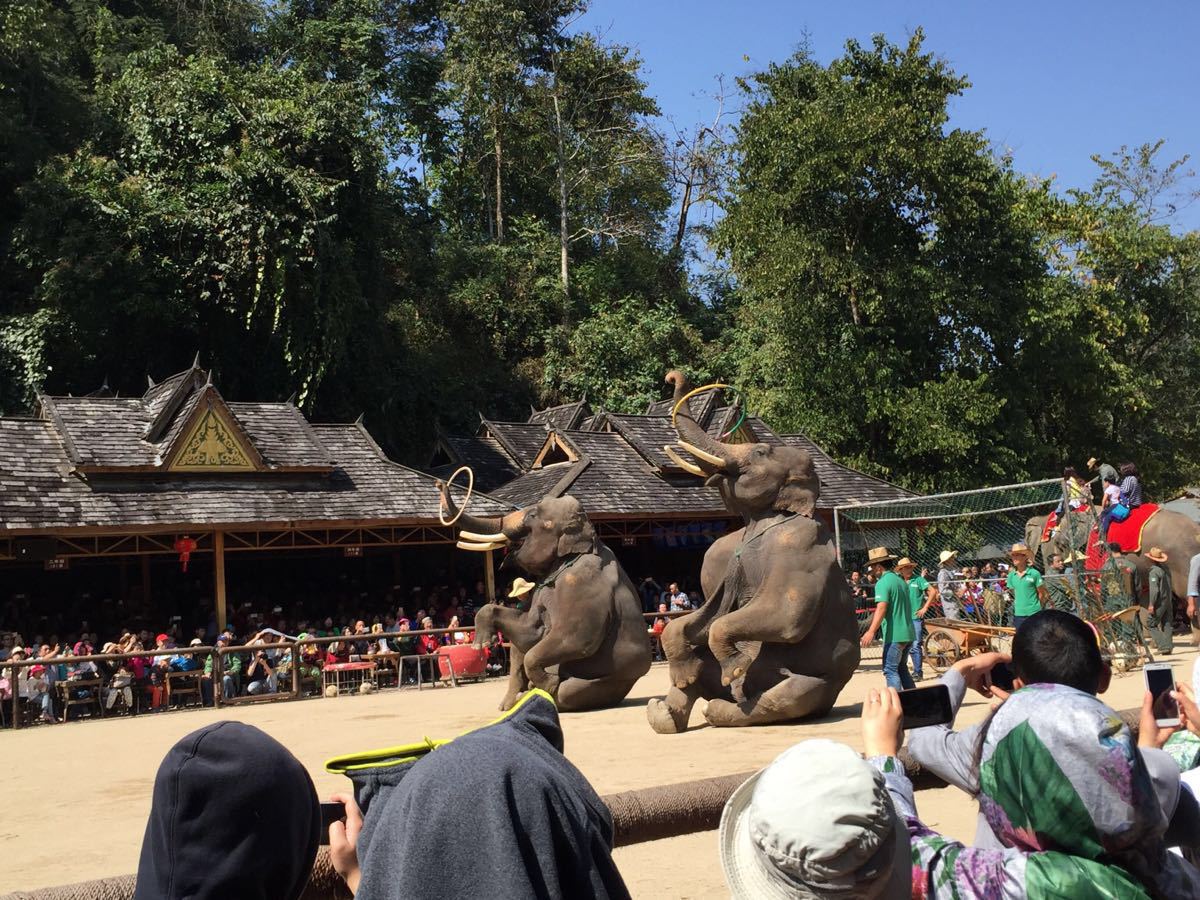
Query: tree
x=884 y=267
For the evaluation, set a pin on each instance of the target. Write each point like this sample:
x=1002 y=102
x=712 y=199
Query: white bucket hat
x=816 y=823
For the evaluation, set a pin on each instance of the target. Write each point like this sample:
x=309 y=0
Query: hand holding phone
x=331 y=811
x=1160 y=682
x=925 y=706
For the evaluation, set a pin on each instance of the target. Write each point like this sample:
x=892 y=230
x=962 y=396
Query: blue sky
x=1052 y=82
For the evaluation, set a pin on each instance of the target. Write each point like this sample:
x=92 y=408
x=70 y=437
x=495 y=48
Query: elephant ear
x=799 y=493
x=577 y=535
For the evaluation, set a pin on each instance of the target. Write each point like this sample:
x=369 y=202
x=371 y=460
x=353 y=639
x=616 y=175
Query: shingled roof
x=86 y=463
x=622 y=471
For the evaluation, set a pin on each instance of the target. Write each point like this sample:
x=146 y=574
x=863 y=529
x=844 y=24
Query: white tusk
x=499 y=536
x=691 y=468
x=472 y=545
x=702 y=455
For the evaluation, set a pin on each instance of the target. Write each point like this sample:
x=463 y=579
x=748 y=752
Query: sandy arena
x=76 y=796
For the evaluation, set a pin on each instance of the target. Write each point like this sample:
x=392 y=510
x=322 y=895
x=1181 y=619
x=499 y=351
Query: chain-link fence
x=980 y=527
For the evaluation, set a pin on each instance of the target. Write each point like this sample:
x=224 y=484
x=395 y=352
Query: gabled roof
x=486 y=456
x=520 y=440
x=563 y=418
x=38 y=491
x=147 y=433
x=702 y=407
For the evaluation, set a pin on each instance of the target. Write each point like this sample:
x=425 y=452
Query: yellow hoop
x=693 y=392
x=467 y=499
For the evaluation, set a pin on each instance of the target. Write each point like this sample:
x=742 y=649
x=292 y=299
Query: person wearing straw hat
x=1026 y=584
x=817 y=822
x=1160 y=608
x=893 y=614
x=520 y=592
x=920 y=595
x=947 y=571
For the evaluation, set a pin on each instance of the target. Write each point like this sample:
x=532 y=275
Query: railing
x=13 y=668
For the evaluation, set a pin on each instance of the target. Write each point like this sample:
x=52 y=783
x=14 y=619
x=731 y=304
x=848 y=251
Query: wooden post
x=219 y=578
x=489 y=577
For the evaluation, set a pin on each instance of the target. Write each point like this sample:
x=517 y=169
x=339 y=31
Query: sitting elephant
x=583 y=639
x=777 y=638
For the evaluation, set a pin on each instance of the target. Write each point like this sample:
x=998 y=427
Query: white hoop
x=467 y=499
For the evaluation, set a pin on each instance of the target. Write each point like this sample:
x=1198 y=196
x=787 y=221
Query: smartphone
x=1160 y=681
x=1002 y=677
x=330 y=812
x=926 y=706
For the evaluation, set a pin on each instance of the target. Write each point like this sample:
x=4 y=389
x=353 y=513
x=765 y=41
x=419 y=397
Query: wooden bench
x=70 y=694
x=183 y=685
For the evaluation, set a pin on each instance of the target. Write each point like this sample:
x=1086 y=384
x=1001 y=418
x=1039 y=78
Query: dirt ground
x=76 y=796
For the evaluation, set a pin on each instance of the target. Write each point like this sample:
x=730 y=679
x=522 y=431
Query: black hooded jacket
x=234 y=816
x=497 y=812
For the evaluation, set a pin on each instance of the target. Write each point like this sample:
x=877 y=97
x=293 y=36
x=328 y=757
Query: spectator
x=1193 y=596
x=232 y=664
x=818 y=816
x=893 y=611
x=679 y=601
x=649 y=589
x=1026 y=585
x=427 y=644
x=261 y=676
x=515 y=781
x=234 y=814
x=921 y=595
x=656 y=630
x=1064 y=790
x=947 y=560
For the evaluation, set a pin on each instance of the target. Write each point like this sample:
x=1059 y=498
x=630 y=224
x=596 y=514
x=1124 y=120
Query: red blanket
x=1051 y=521
x=1128 y=534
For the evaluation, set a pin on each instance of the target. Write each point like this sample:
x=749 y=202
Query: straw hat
x=521 y=587
x=878 y=555
x=946 y=555
x=816 y=822
x=1019 y=550
x=1157 y=554
x=19 y=649
x=905 y=563
x=1091 y=462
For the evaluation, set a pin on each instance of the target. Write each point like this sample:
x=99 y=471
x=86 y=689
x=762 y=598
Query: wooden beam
x=489 y=576
x=219 y=583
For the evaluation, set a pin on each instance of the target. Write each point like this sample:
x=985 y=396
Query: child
x=1112 y=496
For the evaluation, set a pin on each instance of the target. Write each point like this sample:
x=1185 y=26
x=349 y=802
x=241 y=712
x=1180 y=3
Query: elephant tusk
x=478 y=547
x=702 y=455
x=688 y=467
x=498 y=537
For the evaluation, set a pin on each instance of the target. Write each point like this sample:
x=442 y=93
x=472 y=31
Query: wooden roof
x=621 y=469
x=99 y=463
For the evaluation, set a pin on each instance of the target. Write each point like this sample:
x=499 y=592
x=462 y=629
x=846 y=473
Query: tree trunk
x=499 y=155
x=564 y=233
x=685 y=204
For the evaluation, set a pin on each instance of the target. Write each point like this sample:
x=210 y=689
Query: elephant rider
x=921 y=595
x=945 y=583
x=1193 y=597
x=893 y=610
x=1160 y=607
x=1025 y=582
x=1106 y=472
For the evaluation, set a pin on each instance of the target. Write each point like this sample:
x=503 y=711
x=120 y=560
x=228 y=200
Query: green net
x=982 y=526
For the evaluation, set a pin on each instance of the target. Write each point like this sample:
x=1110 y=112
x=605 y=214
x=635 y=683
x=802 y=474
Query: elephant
x=1174 y=532
x=583 y=639
x=776 y=639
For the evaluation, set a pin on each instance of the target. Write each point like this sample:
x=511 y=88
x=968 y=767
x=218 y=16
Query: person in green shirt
x=920 y=595
x=893 y=615
x=1026 y=585
x=229 y=683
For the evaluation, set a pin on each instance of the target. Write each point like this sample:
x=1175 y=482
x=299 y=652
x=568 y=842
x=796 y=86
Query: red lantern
x=184 y=547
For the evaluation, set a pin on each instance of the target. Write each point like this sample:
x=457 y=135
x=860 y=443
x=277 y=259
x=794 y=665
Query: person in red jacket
x=428 y=643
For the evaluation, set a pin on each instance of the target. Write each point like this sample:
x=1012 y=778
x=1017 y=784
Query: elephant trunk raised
x=715 y=457
x=476 y=533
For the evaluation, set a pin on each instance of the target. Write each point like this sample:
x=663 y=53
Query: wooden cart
x=947 y=641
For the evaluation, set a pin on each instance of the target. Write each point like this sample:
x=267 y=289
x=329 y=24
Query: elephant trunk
x=714 y=456
x=481 y=533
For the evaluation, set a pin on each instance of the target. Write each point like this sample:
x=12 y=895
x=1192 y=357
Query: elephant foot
x=723 y=714
x=734 y=666
x=686 y=671
x=666 y=719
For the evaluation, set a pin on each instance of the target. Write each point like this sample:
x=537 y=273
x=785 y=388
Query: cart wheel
x=941 y=650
